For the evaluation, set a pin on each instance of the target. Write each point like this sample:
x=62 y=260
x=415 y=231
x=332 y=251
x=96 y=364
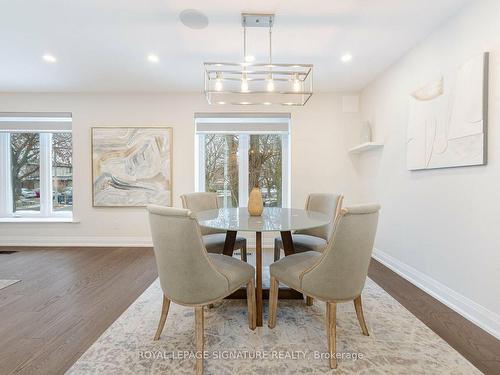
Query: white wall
x=439 y=228
x=319 y=139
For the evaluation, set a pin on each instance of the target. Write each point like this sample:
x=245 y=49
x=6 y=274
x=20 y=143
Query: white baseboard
x=477 y=314
x=98 y=241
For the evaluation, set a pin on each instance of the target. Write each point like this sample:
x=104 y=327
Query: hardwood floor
x=479 y=347
x=69 y=296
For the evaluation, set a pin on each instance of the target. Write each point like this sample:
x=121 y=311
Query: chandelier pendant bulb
x=218 y=82
x=244 y=82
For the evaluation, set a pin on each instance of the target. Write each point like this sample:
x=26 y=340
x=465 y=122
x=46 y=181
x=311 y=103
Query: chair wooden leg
x=327 y=322
x=331 y=332
x=273 y=302
x=252 y=316
x=309 y=301
x=276 y=252
x=199 y=339
x=163 y=317
x=361 y=317
x=243 y=251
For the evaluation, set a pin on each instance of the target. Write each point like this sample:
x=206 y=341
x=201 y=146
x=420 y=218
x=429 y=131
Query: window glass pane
x=265 y=167
x=62 y=172
x=221 y=167
x=25 y=171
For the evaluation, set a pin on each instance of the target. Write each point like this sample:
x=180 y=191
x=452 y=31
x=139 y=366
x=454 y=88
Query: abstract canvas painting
x=131 y=166
x=447 y=124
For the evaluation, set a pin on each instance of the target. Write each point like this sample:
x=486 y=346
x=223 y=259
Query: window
x=238 y=151
x=36 y=166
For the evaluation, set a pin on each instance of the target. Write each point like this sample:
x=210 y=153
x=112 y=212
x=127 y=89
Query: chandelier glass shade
x=249 y=83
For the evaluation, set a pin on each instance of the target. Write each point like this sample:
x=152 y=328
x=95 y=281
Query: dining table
x=273 y=219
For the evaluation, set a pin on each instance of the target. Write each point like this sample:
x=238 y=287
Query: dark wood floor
x=479 y=347
x=69 y=296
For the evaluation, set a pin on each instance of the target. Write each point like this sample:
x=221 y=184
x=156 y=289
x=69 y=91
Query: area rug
x=398 y=343
x=6 y=283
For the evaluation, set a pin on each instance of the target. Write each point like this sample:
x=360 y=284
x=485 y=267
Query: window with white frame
x=235 y=152
x=36 y=165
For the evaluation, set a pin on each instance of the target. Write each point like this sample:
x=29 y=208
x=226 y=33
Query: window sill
x=38 y=220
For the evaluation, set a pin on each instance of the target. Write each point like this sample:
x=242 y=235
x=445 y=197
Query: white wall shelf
x=365 y=147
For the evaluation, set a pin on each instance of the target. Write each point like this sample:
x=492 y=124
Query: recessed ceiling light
x=346 y=57
x=153 y=58
x=193 y=19
x=49 y=58
x=221 y=102
x=249 y=58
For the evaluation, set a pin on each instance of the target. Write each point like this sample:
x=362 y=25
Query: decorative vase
x=255 y=203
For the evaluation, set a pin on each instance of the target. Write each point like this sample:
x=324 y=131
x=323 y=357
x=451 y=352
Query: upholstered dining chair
x=212 y=238
x=314 y=239
x=336 y=275
x=189 y=275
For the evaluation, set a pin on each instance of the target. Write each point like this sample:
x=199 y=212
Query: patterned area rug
x=6 y=283
x=398 y=342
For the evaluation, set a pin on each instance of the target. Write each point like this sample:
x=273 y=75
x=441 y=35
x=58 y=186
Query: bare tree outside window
x=25 y=171
x=221 y=167
x=62 y=172
x=265 y=167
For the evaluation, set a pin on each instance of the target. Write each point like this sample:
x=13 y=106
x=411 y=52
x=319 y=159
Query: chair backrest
x=197 y=202
x=187 y=276
x=328 y=204
x=341 y=272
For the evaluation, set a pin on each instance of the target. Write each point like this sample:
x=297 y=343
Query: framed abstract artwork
x=448 y=119
x=131 y=166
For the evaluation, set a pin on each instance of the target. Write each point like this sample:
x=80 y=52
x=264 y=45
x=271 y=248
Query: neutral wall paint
x=439 y=228
x=319 y=161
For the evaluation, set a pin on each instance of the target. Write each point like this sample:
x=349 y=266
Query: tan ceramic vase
x=255 y=203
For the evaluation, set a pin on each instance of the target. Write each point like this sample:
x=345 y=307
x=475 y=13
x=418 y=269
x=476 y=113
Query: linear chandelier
x=248 y=83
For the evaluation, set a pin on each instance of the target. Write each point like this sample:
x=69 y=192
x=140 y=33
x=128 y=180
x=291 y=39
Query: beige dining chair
x=212 y=238
x=189 y=275
x=314 y=239
x=336 y=275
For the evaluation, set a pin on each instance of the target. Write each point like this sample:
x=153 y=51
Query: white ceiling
x=101 y=45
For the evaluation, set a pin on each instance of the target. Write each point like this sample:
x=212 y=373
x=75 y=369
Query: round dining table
x=273 y=219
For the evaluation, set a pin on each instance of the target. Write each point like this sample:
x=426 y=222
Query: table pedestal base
x=284 y=293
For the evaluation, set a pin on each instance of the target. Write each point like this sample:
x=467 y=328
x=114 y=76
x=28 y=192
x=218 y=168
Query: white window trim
x=45 y=174
x=6 y=191
x=234 y=123
x=199 y=159
x=243 y=147
x=46 y=213
x=286 y=175
x=53 y=219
